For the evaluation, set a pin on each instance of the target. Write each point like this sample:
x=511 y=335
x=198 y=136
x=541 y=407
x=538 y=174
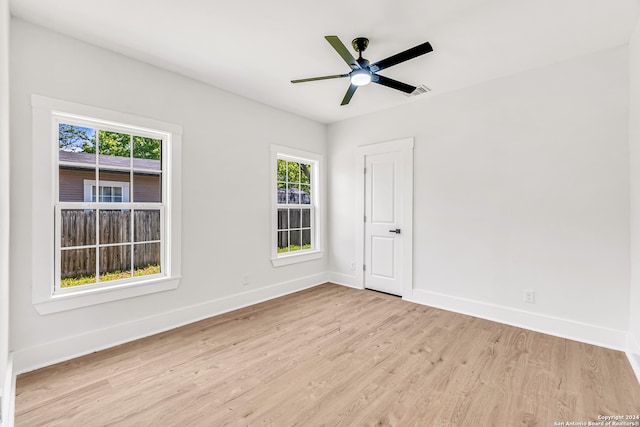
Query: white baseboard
x=344 y=280
x=46 y=354
x=633 y=354
x=8 y=394
x=564 y=328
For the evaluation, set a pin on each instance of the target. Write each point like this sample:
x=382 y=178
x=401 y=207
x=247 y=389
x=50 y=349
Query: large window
x=296 y=185
x=113 y=205
x=111 y=239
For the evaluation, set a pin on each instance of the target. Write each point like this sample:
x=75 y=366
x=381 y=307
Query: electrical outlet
x=245 y=280
x=530 y=297
x=353 y=266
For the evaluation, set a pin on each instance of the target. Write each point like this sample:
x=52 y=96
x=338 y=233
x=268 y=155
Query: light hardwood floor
x=334 y=356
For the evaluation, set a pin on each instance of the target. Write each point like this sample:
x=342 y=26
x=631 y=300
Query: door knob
x=397 y=231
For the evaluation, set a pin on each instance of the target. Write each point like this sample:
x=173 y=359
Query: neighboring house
x=78 y=178
x=296 y=196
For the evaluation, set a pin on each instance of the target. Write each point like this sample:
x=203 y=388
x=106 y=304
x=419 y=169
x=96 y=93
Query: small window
x=109 y=191
x=296 y=187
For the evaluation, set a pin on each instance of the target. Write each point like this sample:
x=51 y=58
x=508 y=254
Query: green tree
x=146 y=148
x=82 y=139
x=294 y=172
x=113 y=144
x=75 y=138
x=119 y=144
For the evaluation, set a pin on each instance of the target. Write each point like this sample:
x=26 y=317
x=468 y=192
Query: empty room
x=409 y=213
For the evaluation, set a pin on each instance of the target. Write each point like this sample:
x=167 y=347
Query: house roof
x=114 y=161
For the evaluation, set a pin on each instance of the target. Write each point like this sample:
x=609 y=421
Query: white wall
x=4 y=196
x=226 y=204
x=520 y=183
x=634 y=147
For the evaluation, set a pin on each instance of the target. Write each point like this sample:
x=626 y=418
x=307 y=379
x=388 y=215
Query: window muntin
x=94 y=227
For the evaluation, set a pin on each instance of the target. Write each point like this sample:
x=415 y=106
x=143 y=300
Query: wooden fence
x=78 y=228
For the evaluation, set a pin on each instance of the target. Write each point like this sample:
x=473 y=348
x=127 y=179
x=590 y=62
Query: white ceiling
x=254 y=48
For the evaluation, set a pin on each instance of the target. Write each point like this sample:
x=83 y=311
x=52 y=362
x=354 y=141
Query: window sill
x=58 y=303
x=296 y=258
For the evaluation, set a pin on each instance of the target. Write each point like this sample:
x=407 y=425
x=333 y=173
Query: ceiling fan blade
x=336 y=76
x=393 y=84
x=401 y=57
x=349 y=94
x=335 y=42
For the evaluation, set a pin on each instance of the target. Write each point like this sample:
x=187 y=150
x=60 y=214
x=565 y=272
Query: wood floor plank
x=331 y=355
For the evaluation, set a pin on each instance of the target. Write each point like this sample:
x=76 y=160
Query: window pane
x=105 y=194
x=294 y=240
x=147 y=188
x=76 y=144
x=283 y=219
x=149 y=149
x=147 y=155
x=77 y=267
x=306 y=218
x=146 y=259
x=305 y=173
x=146 y=225
x=294 y=171
x=282 y=170
x=115 y=263
x=305 y=195
x=294 y=218
x=115 y=226
x=71 y=183
x=294 y=193
x=77 y=227
x=283 y=241
x=114 y=149
x=282 y=193
x=306 y=239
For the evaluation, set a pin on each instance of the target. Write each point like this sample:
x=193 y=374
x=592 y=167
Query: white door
x=383 y=223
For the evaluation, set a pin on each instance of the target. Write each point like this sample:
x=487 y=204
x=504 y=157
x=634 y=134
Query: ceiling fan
x=362 y=72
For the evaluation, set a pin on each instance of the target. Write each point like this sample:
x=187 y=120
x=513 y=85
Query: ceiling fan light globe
x=360 y=77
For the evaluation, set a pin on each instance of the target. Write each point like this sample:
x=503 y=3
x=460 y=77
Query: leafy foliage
x=81 y=139
x=294 y=172
x=75 y=138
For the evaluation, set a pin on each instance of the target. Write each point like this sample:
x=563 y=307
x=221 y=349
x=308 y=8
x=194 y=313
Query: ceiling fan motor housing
x=360 y=44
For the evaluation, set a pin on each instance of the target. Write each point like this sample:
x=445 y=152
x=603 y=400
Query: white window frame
x=89 y=183
x=317 y=208
x=46 y=113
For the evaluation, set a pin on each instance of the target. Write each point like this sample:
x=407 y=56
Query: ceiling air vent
x=420 y=90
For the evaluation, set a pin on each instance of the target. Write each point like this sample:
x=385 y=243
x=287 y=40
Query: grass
x=112 y=275
x=294 y=248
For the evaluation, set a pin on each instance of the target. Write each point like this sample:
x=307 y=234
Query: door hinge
x=365 y=218
x=365 y=170
x=364 y=267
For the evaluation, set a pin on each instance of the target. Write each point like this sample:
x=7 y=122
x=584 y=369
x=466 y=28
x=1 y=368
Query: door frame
x=404 y=146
